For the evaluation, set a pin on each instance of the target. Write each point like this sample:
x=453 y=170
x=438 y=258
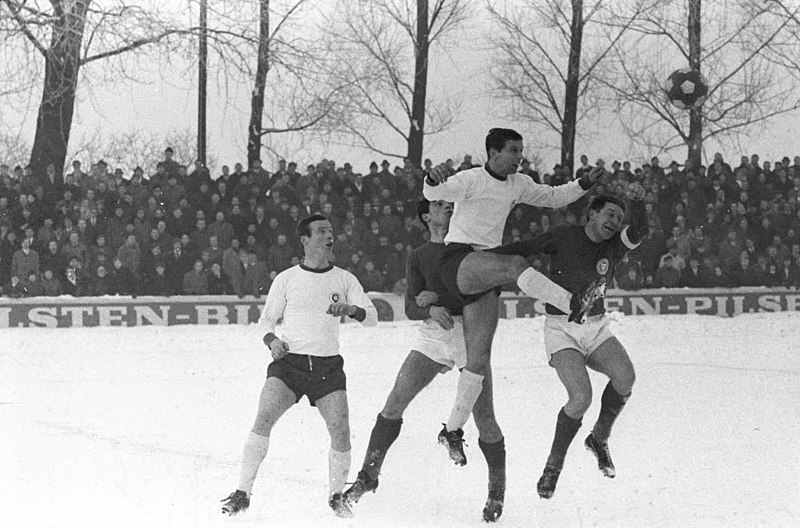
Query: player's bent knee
x=577 y=405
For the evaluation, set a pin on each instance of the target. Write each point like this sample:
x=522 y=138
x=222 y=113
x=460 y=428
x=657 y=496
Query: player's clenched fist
x=278 y=348
x=636 y=192
x=439 y=174
x=426 y=298
x=339 y=309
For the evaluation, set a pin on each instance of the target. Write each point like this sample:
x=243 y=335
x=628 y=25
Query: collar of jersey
x=493 y=174
x=313 y=270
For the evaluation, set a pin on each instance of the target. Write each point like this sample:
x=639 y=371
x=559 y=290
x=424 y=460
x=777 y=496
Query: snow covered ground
x=142 y=427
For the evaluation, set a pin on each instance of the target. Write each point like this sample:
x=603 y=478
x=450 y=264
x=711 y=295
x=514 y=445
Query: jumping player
x=471 y=269
x=311 y=298
x=579 y=254
x=439 y=347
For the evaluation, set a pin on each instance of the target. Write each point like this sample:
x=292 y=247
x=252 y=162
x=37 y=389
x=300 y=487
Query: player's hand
x=636 y=192
x=596 y=173
x=440 y=173
x=442 y=317
x=278 y=348
x=426 y=298
x=338 y=309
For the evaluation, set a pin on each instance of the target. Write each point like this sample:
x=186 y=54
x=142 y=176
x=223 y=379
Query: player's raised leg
x=611 y=359
x=484 y=270
x=415 y=374
x=493 y=447
x=334 y=410
x=276 y=398
x=480 y=322
x=570 y=365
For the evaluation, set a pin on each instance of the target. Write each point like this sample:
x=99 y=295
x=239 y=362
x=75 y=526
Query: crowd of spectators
x=180 y=231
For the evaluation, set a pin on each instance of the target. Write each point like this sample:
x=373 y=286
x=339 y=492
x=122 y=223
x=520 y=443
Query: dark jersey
x=576 y=261
x=422 y=273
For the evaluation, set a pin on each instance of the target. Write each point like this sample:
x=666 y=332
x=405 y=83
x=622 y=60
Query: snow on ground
x=143 y=427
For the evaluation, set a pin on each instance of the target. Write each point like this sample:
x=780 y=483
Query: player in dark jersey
x=580 y=254
x=439 y=347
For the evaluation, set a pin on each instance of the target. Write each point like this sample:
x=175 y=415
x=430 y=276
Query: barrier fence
x=64 y=312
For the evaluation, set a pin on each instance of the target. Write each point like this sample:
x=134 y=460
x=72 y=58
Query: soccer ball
x=686 y=88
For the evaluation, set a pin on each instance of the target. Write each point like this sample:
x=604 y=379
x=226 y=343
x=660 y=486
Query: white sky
x=170 y=103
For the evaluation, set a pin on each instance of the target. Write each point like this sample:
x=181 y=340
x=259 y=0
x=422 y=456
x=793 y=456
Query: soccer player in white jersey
x=484 y=196
x=311 y=298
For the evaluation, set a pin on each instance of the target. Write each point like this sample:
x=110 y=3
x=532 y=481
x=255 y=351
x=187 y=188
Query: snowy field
x=142 y=427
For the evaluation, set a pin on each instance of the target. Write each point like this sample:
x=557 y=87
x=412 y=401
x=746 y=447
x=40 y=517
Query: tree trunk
x=62 y=63
x=416 y=134
x=257 y=100
x=695 y=141
x=571 y=88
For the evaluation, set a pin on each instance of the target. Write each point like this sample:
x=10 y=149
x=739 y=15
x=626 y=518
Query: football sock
x=384 y=433
x=467 y=392
x=566 y=429
x=495 y=455
x=534 y=284
x=255 y=449
x=338 y=469
x=611 y=406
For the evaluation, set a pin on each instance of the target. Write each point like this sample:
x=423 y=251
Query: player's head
x=605 y=215
x=316 y=233
x=437 y=212
x=504 y=150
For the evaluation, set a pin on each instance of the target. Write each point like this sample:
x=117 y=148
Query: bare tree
x=384 y=51
x=69 y=36
x=732 y=43
x=546 y=60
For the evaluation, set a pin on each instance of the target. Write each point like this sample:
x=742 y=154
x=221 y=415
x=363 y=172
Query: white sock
x=338 y=469
x=467 y=392
x=534 y=284
x=255 y=449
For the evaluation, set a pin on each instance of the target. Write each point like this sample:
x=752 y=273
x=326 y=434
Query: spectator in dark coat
x=666 y=275
x=123 y=282
x=15 y=288
x=50 y=284
x=33 y=287
x=256 y=276
x=279 y=255
x=25 y=260
x=100 y=283
x=372 y=279
x=218 y=283
x=233 y=268
x=159 y=283
x=195 y=281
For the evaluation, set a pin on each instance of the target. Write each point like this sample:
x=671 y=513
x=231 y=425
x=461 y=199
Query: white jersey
x=301 y=297
x=483 y=202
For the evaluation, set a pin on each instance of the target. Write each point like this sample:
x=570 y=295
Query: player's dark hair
x=423 y=207
x=304 y=225
x=600 y=201
x=497 y=138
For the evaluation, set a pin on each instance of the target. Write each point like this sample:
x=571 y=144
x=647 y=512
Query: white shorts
x=559 y=334
x=445 y=347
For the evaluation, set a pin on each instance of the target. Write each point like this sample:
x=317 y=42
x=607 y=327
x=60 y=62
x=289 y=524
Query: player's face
x=440 y=212
x=507 y=160
x=321 y=238
x=607 y=222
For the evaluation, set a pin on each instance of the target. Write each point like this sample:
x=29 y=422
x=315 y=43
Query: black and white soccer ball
x=686 y=88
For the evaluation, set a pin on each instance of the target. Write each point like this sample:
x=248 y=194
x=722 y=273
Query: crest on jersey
x=602 y=266
x=335 y=297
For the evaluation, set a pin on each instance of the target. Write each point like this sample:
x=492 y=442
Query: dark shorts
x=454 y=253
x=311 y=376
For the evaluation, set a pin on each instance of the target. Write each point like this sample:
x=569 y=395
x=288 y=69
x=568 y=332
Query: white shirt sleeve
x=357 y=297
x=274 y=305
x=540 y=195
x=627 y=241
x=455 y=189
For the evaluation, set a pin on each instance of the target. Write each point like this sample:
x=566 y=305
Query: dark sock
x=383 y=435
x=495 y=455
x=566 y=429
x=612 y=404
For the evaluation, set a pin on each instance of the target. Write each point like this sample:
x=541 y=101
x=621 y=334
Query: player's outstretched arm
x=439 y=185
x=540 y=195
x=638 y=228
